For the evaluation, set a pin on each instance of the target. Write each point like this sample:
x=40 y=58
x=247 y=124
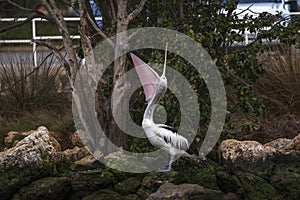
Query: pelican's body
x=159 y=135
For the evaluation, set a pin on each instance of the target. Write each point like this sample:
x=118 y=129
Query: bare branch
x=114 y=14
x=18 y=6
x=56 y=14
x=136 y=11
x=56 y=52
x=99 y=31
x=21 y=23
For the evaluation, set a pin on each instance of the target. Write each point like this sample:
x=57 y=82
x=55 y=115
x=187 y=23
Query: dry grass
x=31 y=97
x=280 y=85
x=25 y=88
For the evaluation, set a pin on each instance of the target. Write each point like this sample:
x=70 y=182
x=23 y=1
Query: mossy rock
x=103 y=195
x=107 y=194
x=286 y=179
x=196 y=171
x=14 y=179
x=257 y=188
x=51 y=187
x=228 y=182
x=129 y=186
x=84 y=182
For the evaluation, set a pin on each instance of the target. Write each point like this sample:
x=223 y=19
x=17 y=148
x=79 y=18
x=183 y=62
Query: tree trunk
x=119 y=83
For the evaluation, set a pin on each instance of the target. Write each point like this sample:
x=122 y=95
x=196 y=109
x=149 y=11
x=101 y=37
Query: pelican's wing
x=170 y=136
x=148 y=77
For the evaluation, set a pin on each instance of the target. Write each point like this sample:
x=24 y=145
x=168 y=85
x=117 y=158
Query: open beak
x=165 y=63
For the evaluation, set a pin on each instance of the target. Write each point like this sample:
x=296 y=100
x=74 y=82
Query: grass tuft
x=279 y=86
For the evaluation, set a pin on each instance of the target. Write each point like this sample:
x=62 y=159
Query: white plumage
x=159 y=135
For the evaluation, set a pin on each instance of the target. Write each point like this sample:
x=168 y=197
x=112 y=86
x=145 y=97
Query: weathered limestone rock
x=257 y=171
x=185 y=191
x=294 y=144
x=13 y=138
x=279 y=143
x=123 y=162
x=75 y=139
x=240 y=153
x=88 y=162
x=31 y=159
x=253 y=156
x=75 y=154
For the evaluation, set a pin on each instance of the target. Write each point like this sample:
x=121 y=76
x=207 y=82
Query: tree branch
x=17 y=5
x=136 y=11
x=99 y=31
x=56 y=52
x=21 y=23
x=55 y=13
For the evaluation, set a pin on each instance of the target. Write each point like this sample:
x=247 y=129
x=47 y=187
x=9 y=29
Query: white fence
x=34 y=33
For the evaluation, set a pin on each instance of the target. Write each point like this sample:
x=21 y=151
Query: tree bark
x=56 y=14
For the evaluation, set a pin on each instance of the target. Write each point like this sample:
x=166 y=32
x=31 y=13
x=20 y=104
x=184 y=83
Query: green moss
x=256 y=188
x=103 y=195
x=56 y=187
x=202 y=174
x=86 y=181
x=129 y=186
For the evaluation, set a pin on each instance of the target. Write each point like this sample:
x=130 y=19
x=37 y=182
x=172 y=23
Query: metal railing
x=34 y=33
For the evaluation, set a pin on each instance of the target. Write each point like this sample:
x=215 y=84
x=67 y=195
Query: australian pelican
x=159 y=135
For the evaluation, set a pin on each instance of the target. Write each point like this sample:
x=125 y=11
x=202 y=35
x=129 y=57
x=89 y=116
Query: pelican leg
x=168 y=167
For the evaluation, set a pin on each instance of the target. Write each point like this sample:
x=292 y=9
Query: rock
x=294 y=144
x=256 y=171
x=255 y=187
x=75 y=154
x=51 y=187
x=286 y=179
x=246 y=155
x=231 y=196
x=109 y=195
x=195 y=170
x=13 y=138
x=123 y=162
x=32 y=158
x=103 y=195
x=87 y=163
x=185 y=191
x=75 y=139
x=85 y=182
x=128 y=186
x=279 y=143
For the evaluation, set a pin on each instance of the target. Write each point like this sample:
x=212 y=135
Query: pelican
x=159 y=135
